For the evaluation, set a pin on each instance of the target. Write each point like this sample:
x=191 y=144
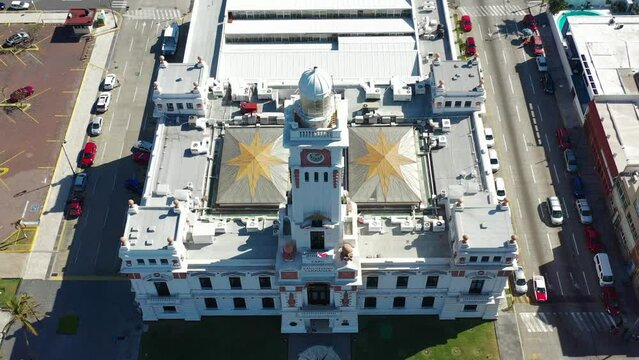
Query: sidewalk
x=508 y=337
x=38 y=261
x=31 y=17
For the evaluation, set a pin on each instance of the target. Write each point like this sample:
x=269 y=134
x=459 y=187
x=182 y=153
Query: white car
x=110 y=82
x=554 y=208
x=494 y=160
x=19 y=5
x=490 y=137
x=519 y=278
x=583 y=209
x=500 y=188
x=104 y=100
x=542 y=64
x=95 y=126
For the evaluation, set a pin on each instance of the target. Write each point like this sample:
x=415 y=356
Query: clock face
x=315 y=157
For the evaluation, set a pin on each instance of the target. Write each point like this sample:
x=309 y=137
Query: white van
x=604 y=271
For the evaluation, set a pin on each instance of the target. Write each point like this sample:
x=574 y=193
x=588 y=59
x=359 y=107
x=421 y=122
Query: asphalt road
x=524 y=120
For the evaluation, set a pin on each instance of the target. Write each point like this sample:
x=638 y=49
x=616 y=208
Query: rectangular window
x=622 y=194
x=470 y=308
x=268 y=303
x=458 y=103
x=370 y=302
x=432 y=281
x=265 y=282
x=164 y=262
x=399 y=302
x=316 y=176
x=205 y=283
x=189 y=106
x=448 y=104
x=325 y=176
x=497 y=259
x=371 y=282
x=402 y=282
x=317 y=240
x=180 y=106
x=485 y=259
x=428 y=301
x=235 y=282
x=169 y=309
x=467 y=104
x=306 y=177
x=239 y=303
x=141 y=262
x=473 y=259
x=162 y=288
x=169 y=107
x=153 y=262
x=476 y=287
x=210 y=303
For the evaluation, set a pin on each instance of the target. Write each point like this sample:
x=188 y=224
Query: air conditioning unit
x=445 y=125
x=438 y=225
x=373 y=93
x=218 y=90
x=220 y=227
x=407 y=225
x=252 y=225
x=375 y=225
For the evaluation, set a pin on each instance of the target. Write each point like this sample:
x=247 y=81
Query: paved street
x=524 y=120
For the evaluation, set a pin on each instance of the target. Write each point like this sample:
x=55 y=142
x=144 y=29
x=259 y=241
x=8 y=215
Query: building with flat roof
x=324 y=200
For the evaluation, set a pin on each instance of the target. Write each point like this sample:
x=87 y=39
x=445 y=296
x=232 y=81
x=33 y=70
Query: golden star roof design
x=383 y=160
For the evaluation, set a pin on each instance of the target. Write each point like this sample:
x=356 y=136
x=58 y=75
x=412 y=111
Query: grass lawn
x=68 y=325
x=424 y=337
x=228 y=338
x=8 y=288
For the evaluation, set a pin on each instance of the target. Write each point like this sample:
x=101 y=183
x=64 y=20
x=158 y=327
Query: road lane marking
x=541 y=118
x=533 y=173
x=565 y=208
x=556 y=174
x=117 y=97
x=505 y=145
x=586 y=281
x=561 y=288
x=111 y=121
x=550 y=245
x=546 y=323
x=512 y=88
x=532 y=86
x=503 y=52
x=525 y=143
x=106 y=217
x=481 y=33
x=141 y=66
x=521 y=215
x=128 y=121
x=492 y=86
x=126 y=63
x=575 y=243
x=517 y=110
x=135 y=93
x=547 y=143
x=526 y=239
x=498 y=113
x=131 y=45
x=121 y=150
x=577 y=321
x=103 y=151
x=526 y=320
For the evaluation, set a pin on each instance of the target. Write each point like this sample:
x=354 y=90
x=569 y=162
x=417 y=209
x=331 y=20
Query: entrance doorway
x=319 y=294
x=319 y=326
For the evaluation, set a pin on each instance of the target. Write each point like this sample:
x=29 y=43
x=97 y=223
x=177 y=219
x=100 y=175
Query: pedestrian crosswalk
x=591 y=322
x=153 y=14
x=119 y=4
x=493 y=10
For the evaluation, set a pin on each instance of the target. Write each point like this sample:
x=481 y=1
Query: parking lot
x=32 y=138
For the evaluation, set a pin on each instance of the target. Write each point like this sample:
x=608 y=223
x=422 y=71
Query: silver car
x=519 y=279
x=95 y=126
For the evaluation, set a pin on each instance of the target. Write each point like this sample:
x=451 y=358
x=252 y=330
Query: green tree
x=24 y=310
x=555 y=6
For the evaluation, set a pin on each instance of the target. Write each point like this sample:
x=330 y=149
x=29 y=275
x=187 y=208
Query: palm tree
x=23 y=309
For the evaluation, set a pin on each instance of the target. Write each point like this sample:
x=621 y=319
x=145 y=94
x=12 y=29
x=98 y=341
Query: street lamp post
x=67 y=156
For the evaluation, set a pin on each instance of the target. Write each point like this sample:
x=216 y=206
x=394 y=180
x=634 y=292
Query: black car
x=547 y=83
x=2 y=6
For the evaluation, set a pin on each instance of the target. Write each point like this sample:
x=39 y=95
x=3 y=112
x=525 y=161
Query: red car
x=88 y=154
x=141 y=157
x=592 y=238
x=539 y=285
x=21 y=94
x=466 y=24
x=74 y=207
x=563 y=138
x=471 y=48
x=610 y=300
x=248 y=107
x=529 y=22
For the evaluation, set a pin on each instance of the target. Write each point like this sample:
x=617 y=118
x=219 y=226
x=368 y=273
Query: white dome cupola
x=316 y=95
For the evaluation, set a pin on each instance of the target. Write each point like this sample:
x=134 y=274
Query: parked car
x=16 y=39
x=529 y=22
x=80 y=182
x=578 y=187
x=466 y=23
x=104 y=100
x=563 y=138
x=2 y=6
x=539 y=285
x=490 y=137
x=142 y=145
x=571 y=161
x=75 y=206
x=592 y=239
x=110 y=82
x=519 y=279
x=88 y=154
x=537 y=45
x=555 y=211
x=21 y=94
x=547 y=83
x=500 y=188
x=19 y=5
x=494 y=160
x=95 y=126
x=542 y=64
x=583 y=210
x=141 y=157
x=471 y=48
x=610 y=300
